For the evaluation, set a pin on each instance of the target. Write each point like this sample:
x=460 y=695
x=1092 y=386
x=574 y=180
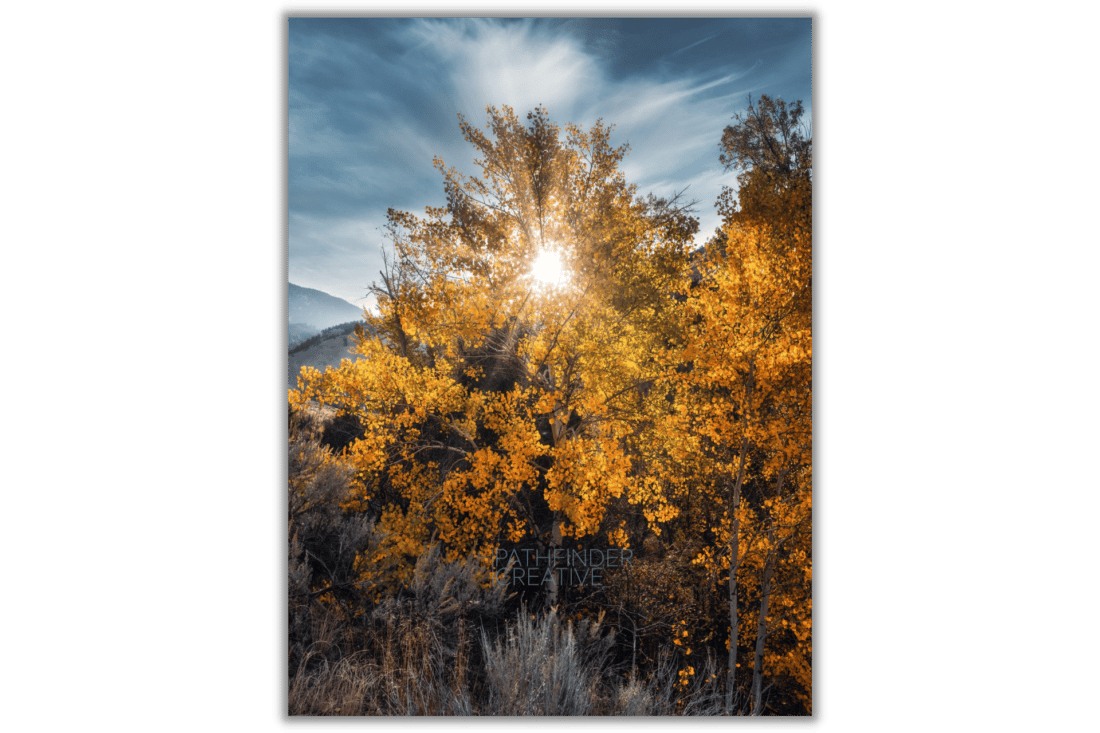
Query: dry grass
x=538 y=666
x=319 y=412
x=406 y=670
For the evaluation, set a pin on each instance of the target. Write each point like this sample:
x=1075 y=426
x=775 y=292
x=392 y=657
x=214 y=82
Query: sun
x=547 y=268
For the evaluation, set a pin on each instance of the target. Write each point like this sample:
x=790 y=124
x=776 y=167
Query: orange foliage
x=621 y=401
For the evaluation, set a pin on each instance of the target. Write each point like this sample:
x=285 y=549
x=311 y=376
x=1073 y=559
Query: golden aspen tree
x=505 y=390
x=747 y=335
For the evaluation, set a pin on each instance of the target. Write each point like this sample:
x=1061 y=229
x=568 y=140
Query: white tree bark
x=735 y=561
x=762 y=631
x=734 y=547
x=762 y=622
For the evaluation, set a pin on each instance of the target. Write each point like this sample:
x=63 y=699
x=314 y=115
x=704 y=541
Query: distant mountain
x=299 y=332
x=318 y=309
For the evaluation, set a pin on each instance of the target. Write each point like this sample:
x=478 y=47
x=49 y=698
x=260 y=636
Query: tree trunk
x=762 y=629
x=555 y=543
x=735 y=560
x=734 y=548
x=765 y=597
x=557 y=436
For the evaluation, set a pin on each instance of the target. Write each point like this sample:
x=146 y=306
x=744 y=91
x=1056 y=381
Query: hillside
x=299 y=332
x=331 y=347
x=318 y=309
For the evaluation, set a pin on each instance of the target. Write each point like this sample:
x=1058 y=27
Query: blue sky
x=372 y=100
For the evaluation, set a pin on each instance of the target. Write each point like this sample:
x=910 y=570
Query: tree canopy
x=649 y=398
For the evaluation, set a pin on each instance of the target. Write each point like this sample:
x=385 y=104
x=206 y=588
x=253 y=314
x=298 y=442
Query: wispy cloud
x=693 y=45
x=371 y=101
